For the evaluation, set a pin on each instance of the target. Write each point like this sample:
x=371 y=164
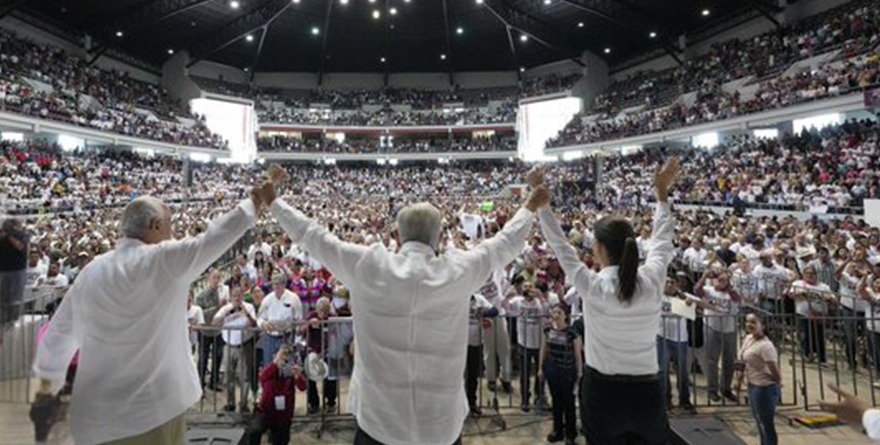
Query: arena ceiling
x=388 y=35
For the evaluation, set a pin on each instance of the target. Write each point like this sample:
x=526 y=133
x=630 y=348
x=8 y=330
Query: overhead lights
x=376 y=14
x=442 y=56
x=249 y=37
x=522 y=69
x=372 y=1
x=315 y=30
x=479 y=2
x=546 y=2
x=459 y=30
x=652 y=35
x=343 y=2
x=706 y=12
x=296 y=1
x=234 y=4
x=406 y=1
x=392 y=11
x=607 y=50
x=246 y=69
x=580 y=24
x=523 y=38
x=170 y=52
x=382 y=59
x=119 y=34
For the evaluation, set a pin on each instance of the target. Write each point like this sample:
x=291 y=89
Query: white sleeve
x=60 y=342
x=200 y=316
x=871 y=423
x=575 y=270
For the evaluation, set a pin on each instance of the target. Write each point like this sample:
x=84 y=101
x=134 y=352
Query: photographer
x=13 y=267
x=280 y=380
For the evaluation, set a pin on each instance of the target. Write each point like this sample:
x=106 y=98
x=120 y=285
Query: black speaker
x=215 y=436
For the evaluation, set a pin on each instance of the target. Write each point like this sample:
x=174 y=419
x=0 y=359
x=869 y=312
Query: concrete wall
x=176 y=81
x=422 y=81
x=353 y=81
x=486 y=79
x=40 y=36
x=298 y=81
x=595 y=78
x=214 y=71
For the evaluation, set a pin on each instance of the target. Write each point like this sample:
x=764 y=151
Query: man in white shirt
x=474 y=365
x=247 y=269
x=124 y=313
x=721 y=303
x=53 y=277
x=695 y=258
x=278 y=312
x=496 y=342
x=235 y=319
x=261 y=246
x=772 y=280
x=812 y=299
x=529 y=310
x=194 y=317
x=410 y=313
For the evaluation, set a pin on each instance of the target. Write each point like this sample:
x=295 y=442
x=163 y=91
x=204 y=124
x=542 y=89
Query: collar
x=129 y=243
x=417 y=248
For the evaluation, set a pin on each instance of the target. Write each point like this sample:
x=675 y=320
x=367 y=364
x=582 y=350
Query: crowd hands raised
x=69 y=80
x=355 y=146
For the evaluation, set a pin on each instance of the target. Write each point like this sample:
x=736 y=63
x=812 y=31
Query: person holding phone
x=280 y=380
x=758 y=366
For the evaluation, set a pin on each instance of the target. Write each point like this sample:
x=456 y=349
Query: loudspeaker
x=701 y=431
x=215 y=436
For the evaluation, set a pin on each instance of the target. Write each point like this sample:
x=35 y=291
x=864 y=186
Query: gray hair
x=421 y=223
x=138 y=215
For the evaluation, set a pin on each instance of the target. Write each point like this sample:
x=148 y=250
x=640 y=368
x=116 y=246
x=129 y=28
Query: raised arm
x=575 y=269
x=192 y=255
x=59 y=344
x=339 y=257
x=661 y=250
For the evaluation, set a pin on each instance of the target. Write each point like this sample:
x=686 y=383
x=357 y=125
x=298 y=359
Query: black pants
x=362 y=438
x=623 y=410
x=472 y=373
x=210 y=347
x=278 y=433
x=562 y=383
x=853 y=326
x=529 y=368
x=329 y=394
x=813 y=338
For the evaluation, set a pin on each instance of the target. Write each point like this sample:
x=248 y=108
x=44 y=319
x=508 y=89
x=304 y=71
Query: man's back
x=130 y=323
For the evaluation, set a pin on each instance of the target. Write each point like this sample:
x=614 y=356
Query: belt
x=622 y=378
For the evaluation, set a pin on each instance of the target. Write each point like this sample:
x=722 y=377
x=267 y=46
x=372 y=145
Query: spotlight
x=249 y=38
x=234 y=4
x=344 y=2
x=246 y=69
x=580 y=24
x=382 y=60
x=459 y=30
x=170 y=52
x=607 y=50
x=652 y=35
x=546 y=2
x=479 y=2
x=522 y=69
x=442 y=56
x=523 y=38
x=406 y=1
x=706 y=12
x=377 y=14
x=392 y=11
x=372 y=1
x=315 y=30
x=119 y=34
x=296 y=1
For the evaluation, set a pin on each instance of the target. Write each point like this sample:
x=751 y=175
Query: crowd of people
x=356 y=146
x=502 y=114
x=123 y=105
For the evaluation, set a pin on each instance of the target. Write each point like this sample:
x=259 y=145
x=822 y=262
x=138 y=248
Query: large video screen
x=236 y=122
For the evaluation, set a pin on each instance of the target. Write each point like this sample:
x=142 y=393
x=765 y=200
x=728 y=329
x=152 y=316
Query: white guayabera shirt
x=125 y=315
x=410 y=313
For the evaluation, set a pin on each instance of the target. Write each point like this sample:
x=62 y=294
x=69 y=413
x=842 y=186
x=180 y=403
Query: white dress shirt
x=281 y=312
x=618 y=338
x=871 y=423
x=234 y=323
x=125 y=315
x=410 y=313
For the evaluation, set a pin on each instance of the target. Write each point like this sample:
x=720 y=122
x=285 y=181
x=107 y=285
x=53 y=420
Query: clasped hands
x=264 y=195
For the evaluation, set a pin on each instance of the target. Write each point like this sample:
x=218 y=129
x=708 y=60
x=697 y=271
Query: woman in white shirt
x=623 y=400
x=811 y=305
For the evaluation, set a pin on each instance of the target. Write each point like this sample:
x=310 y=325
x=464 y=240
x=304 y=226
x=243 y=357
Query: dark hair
x=618 y=238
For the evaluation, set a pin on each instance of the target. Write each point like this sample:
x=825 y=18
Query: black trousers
x=813 y=338
x=529 y=368
x=623 y=410
x=329 y=394
x=362 y=438
x=279 y=433
x=210 y=347
x=562 y=383
x=472 y=372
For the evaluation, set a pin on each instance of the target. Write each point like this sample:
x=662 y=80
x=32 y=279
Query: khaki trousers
x=172 y=432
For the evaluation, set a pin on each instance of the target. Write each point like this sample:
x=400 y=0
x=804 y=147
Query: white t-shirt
x=815 y=300
x=529 y=321
x=475 y=325
x=672 y=327
x=722 y=310
x=59 y=280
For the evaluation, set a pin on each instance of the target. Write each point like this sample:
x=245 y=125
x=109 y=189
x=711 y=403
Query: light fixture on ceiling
x=442 y=56
x=249 y=37
x=296 y=1
x=607 y=50
x=246 y=69
x=377 y=14
x=459 y=30
x=170 y=52
x=523 y=38
x=344 y=2
x=382 y=60
x=234 y=4
x=406 y=1
x=706 y=12
x=546 y=2
x=372 y=1
x=522 y=69
x=580 y=24
x=119 y=34
x=479 y=2
x=652 y=35
x=392 y=11
x=315 y=30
